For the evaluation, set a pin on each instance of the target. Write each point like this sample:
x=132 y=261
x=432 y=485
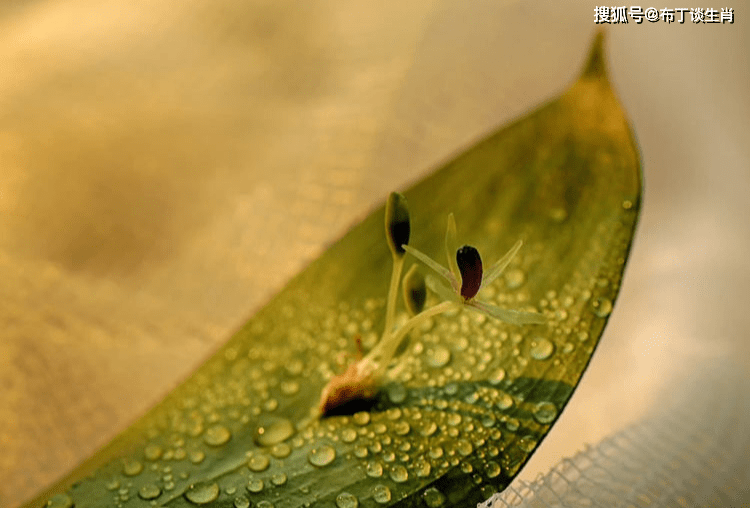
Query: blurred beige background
x=164 y=171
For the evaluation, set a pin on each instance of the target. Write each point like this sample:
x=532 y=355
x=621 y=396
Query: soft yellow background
x=165 y=169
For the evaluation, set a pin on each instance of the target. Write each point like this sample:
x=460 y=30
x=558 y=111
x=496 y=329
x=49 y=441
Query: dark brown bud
x=397 y=226
x=470 y=266
x=415 y=291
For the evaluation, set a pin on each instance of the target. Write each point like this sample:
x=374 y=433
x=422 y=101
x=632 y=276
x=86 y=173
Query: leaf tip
x=596 y=65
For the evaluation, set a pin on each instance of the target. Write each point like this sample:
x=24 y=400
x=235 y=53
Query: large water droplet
x=526 y=443
x=60 y=501
x=149 y=491
x=504 y=402
x=217 y=435
x=273 y=433
x=402 y=428
x=399 y=474
x=381 y=494
x=602 y=307
x=433 y=498
x=152 y=452
x=545 y=412
x=346 y=500
x=348 y=435
x=464 y=447
x=278 y=479
x=361 y=418
x=438 y=356
x=492 y=469
x=202 y=493
x=241 y=502
x=374 y=469
x=258 y=462
x=428 y=428
x=422 y=468
x=541 y=348
x=255 y=485
x=281 y=450
x=321 y=455
x=131 y=467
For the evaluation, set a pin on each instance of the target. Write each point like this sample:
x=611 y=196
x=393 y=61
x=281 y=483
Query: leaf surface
x=469 y=398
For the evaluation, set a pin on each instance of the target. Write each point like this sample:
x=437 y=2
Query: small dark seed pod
x=415 y=291
x=397 y=226
x=470 y=266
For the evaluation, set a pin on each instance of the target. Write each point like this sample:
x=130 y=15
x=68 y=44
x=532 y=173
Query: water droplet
x=374 y=469
x=241 y=502
x=379 y=428
x=454 y=419
x=428 y=428
x=258 y=462
x=545 y=412
x=264 y=504
x=231 y=489
x=505 y=401
x=435 y=452
x=512 y=424
x=464 y=447
x=568 y=348
x=202 y=493
x=348 y=435
x=152 y=452
x=360 y=451
x=422 y=468
x=399 y=474
x=270 y=405
x=541 y=348
x=381 y=494
x=466 y=467
x=402 y=428
x=255 y=485
x=289 y=387
x=113 y=484
x=526 y=443
x=274 y=433
x=492 y=469
x=217 y=435
x=321 y=455
x=558 y=214
x=131 y=467
x=60 y=501
x=514 y=278
x=438 y=356
x=281 y=450
x=346 y=500
x=149 y=491
x=278 y=479
x=197 y=456
x=602 y=307
x=627 y=204
x=361 y=418
x=433 y=498
x=497 y=377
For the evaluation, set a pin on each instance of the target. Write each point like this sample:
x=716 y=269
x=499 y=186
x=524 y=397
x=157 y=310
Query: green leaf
x=471 y=397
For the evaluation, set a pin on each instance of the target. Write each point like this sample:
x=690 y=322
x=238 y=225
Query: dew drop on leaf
x=541 y=348
x=399 y=474
x=149 y=491
x=202 y=493
x=381 y=494
x=217 y=435
x=347 y=500
x=433 y=498
x=60 y=501
x=322 y=455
